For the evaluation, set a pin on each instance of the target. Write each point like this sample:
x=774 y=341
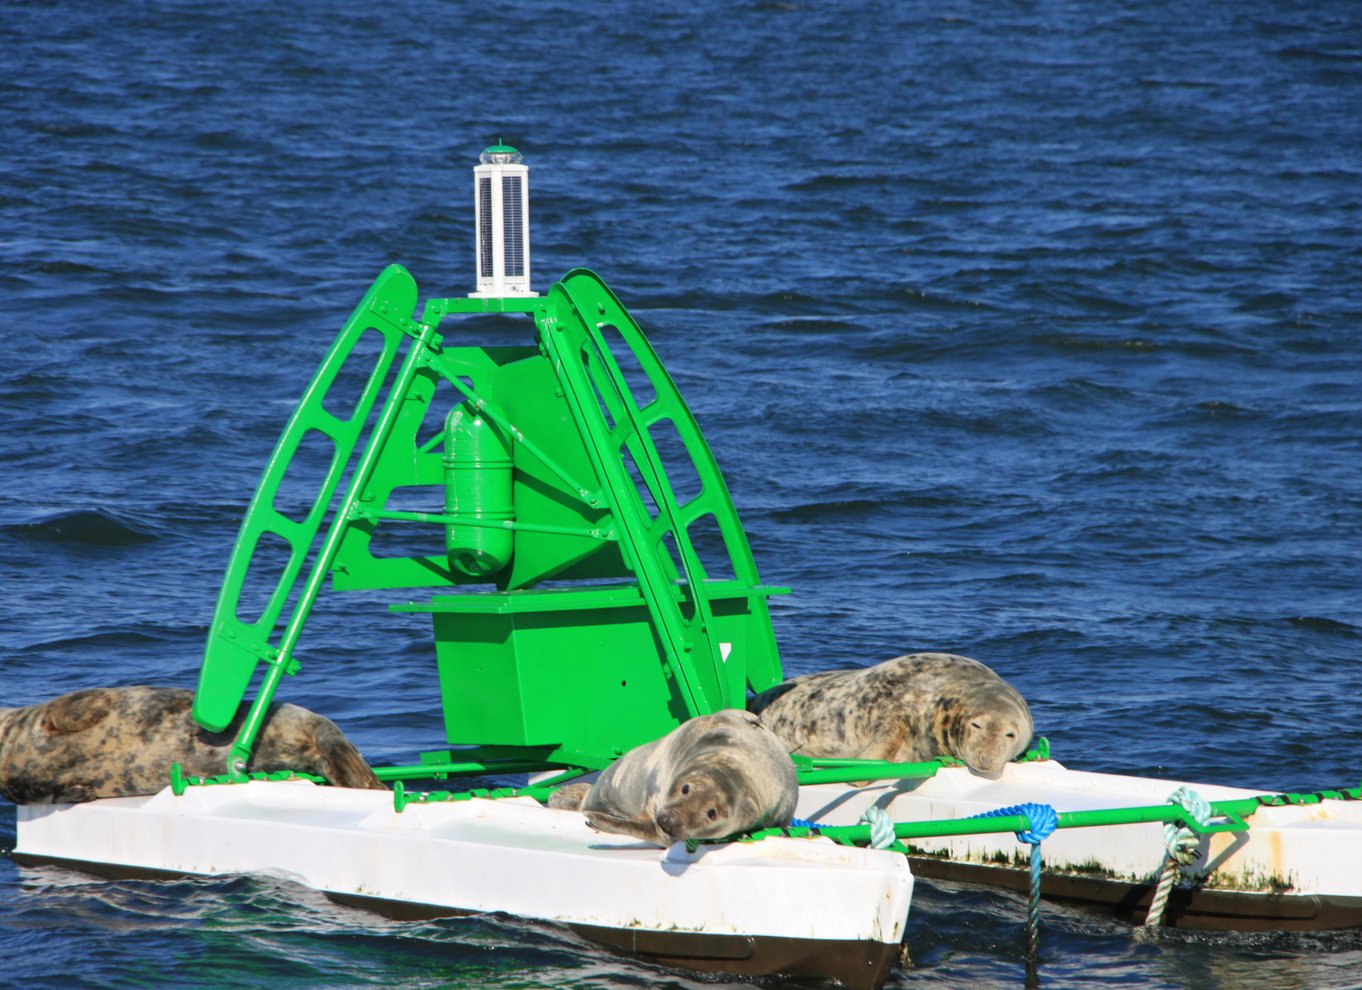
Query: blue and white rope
x=1043 y=820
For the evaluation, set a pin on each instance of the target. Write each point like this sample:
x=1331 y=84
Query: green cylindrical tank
x=478 y=468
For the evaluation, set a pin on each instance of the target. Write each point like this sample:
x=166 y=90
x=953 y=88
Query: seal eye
x=1012 y=735
x=685 y=788
x=712 y=814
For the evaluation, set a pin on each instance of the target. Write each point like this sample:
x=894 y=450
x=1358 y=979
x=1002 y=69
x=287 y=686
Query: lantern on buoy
x=501 y=201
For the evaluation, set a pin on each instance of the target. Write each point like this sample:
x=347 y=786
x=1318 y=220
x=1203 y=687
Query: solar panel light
x=501 y=204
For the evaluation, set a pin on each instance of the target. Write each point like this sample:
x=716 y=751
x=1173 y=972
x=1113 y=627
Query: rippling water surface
x=1026 y=331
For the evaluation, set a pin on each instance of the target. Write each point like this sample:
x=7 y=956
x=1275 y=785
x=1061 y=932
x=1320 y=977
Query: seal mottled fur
x=911 y=708
x=120 y=742
x=711 y=776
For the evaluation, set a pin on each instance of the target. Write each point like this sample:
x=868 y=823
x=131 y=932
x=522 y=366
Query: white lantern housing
x=501 y=202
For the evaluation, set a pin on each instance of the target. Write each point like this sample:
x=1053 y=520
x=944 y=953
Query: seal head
x=995 y=728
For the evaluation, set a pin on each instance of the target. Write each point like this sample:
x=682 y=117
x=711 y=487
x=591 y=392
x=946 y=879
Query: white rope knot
x=1181 y=842
x=881 y=828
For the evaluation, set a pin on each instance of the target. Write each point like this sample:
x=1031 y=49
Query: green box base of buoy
x=571 y=668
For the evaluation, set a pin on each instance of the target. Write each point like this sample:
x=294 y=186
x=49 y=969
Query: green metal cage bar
x=236 y=645
x=581 y=306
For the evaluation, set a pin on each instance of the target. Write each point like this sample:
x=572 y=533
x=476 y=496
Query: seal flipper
x=344 y=767
x=295 y=738
x=341 y=763
x=569 y=797
x=640 y=827
x=76 y=712
x=758 y=702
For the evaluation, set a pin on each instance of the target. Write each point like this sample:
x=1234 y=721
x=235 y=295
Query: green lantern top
x=501 y=154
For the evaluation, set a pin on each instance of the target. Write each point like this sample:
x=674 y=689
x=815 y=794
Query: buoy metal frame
x=655 y=639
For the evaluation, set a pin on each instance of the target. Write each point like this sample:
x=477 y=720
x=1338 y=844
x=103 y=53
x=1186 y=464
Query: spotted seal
x=911 y=708
x=711 y=776
x=119 y=742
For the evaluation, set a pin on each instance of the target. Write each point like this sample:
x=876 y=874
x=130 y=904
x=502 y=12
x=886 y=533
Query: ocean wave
x=1326 y=625
x=120 y=639
x=86 y=528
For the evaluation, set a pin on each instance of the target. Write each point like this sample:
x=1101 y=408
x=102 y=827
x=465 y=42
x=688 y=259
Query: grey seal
x=121 y=741
x=905 y=710
x=712 y=776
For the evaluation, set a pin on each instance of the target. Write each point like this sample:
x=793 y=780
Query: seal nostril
x=712 y=814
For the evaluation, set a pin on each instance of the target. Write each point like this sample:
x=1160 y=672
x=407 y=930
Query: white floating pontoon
x=797 y=906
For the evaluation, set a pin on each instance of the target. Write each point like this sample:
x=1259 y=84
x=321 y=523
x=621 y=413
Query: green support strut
x=235 y=646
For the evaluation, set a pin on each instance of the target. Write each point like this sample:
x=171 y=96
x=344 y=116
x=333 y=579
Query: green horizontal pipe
x=441 y=519
x=830 y=771
x=437 y=308
x=860 y=834
x=401 y=799
x=1236 y=811
x=871 y=770
x=540 y=792
x=432 y=771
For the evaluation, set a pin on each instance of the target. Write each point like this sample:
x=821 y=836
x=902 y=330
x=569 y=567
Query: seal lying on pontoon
x=120 y=742
x=712 y=776
x=911 y=708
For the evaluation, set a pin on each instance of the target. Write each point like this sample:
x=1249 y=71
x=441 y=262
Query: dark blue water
x=1026 y=331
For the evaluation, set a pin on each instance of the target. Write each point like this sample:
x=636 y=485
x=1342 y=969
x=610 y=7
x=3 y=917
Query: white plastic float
x=1295 y=866
x=806 y=907
x=800 y=907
